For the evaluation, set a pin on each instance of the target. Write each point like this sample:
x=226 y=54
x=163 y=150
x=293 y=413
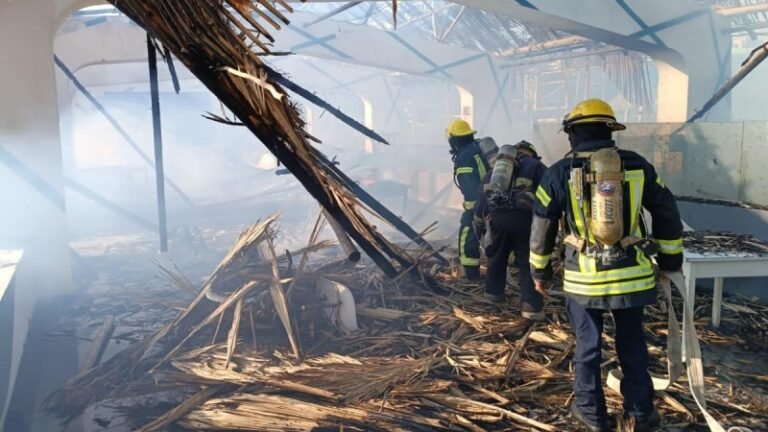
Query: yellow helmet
x=459 y=128
x=592 y=111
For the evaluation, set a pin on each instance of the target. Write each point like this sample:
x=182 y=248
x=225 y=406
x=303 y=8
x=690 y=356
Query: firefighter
x=506 y=207
x=469 y=168
x=602 y=192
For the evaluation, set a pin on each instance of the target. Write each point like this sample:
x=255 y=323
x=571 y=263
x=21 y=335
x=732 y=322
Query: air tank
x=606 y=221
x=489 y=149
x=503 y=170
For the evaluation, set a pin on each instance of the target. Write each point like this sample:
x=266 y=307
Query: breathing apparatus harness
x=502 y=191
x=600 y=182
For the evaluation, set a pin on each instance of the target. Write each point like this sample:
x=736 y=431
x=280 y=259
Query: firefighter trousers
x=469 y=246
x=636 y=384
x=510 y=232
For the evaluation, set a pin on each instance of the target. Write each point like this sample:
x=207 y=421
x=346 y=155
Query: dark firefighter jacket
x=527 y=176
x=630 y=281
x=469 y=168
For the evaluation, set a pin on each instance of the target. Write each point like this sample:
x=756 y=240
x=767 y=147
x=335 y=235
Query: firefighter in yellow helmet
x=469 y=168
x=602 y=192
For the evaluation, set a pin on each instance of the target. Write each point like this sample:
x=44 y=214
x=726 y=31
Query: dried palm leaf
x=274 y=413
x=234 y=331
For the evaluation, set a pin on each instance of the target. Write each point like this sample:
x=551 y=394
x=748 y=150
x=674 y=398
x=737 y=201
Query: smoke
x=208 y=161
x=231 y=178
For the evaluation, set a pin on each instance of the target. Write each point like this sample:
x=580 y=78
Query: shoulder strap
x=584 y=155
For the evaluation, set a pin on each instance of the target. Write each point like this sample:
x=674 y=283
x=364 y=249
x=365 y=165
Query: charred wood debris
x=264 y=345
x=267 y=342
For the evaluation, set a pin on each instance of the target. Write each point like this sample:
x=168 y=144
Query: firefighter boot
x=600 y=426
x=650 y=424
x=495 y=298
x=472 y=273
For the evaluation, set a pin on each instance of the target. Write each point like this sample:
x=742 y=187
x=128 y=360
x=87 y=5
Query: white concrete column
x=29 y=132
x=672 y=94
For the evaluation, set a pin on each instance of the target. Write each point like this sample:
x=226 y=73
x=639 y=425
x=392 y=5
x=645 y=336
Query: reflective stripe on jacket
x=589 y=277
x=469 y=170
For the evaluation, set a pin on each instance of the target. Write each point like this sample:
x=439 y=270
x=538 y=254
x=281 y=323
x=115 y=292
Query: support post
x=158 y=138
x=717 y=302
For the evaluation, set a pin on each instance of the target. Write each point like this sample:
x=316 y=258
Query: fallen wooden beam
x=183 y=409
x=379 y=208
x=100 y=342
x=725 y=203
x=755 y=58
x=228 y=59
x=311 y=97
x=353 y=255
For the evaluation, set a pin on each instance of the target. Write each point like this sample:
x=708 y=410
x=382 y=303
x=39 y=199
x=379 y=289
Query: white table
x=9 y=356
x=9 y=260
x=719 y=266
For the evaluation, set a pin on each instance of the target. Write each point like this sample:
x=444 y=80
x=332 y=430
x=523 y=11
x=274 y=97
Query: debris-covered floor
x=427 y=352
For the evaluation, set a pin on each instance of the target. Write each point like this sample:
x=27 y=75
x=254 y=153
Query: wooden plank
x=100 y=342
x=183 y=409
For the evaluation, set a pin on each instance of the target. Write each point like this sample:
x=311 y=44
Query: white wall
x=29 y=130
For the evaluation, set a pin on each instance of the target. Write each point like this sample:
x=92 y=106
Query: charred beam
x=229 y=65
x=311 y=97
x=157 y=134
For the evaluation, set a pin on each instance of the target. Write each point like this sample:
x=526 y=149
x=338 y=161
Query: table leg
x=690 y=300
x=717 y=301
